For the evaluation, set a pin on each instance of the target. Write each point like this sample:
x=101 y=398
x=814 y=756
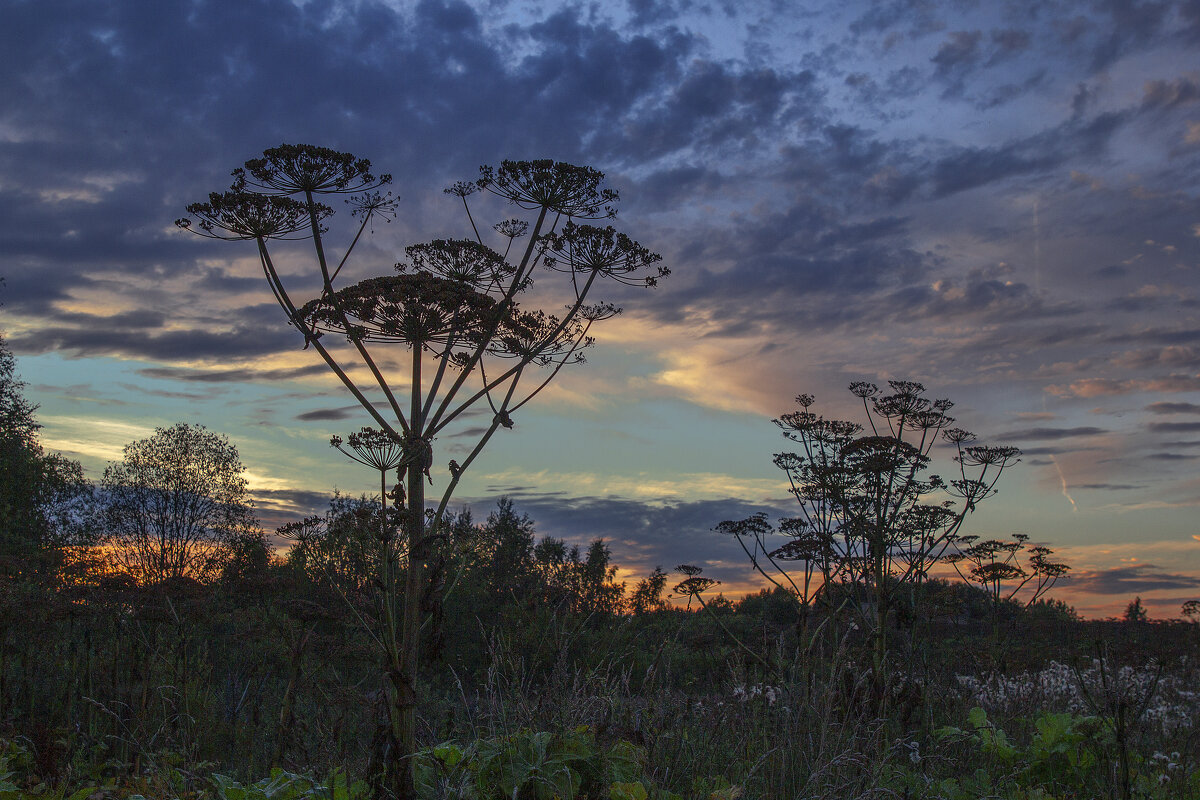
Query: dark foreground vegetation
x=567 y=685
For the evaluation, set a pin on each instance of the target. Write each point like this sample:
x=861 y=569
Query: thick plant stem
x=403 y=670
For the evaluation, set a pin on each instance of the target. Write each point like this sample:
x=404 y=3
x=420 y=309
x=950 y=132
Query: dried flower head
x=588 y=249
x=511 y=228
x=306 y=168
x=563 y=188
x=374 y=204
x=537 y=335
x=381 y=450
x=419 y=310
x=462 y=189
x=236 y=214
x=462 y=260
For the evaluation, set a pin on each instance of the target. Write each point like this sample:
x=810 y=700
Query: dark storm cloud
x=978 y=296
x=331 y=414
x=1057 y=450
x=1173 y=427
x=972 y=167
x=142 y=390
x=96 y=191
x=959 y=51
x=1124 y=27
x=1050 y=434
x=277 y=507
x=231 y=375
x=293 y=498
x=243 y=342
x=671 y=186
x=468 y=433
x=915 y=17
x=1102 y=387
x=1173 y=356
x=1131 y=580
x=715 y=107
x=1163 y=336
x=1190 y=13
x=1173 y=408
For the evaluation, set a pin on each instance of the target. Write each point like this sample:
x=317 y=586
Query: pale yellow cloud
x=89 y=188
x=648 y=487
x=1103 y=387
x=725 y=373
x=91 y=438
x=257 y=481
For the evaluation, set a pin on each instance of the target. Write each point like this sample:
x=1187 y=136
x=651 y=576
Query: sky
x=996 y=199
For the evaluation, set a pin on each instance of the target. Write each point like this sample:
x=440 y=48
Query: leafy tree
x=455 y=306
x=506 y=549
x=647 y=594
x=39 y=492
x=176 y=505
x=339 y=550
x=871 y=521
x=599 y=593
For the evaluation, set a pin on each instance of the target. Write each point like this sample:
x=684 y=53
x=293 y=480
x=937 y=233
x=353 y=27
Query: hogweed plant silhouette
x=996 y=567
x=871 y=522
x=454 y=305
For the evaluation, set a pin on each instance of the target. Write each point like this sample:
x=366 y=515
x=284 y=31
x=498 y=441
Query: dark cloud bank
x=120 y=114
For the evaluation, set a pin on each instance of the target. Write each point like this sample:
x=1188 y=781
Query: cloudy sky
x=998 y=199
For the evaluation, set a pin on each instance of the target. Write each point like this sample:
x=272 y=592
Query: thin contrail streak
x=1062 y=479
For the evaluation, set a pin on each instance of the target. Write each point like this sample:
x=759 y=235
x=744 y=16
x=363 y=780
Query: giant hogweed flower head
x=238 y=214
x=462 y=260
x=306 y=168
x=806 y=426
x=587 y=249
x=695 y=584
x=373 y=203
x=566 y=189
x=994 y=456
x=419 y=310
x=372 y=448
x=536 y=335
x=598 y=312
x=511 y=228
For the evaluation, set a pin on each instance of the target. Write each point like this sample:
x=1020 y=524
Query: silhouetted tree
x=599 y=593
x=647 y=594
x=1136 y=612
x=39 y=492
x=339 y=550
x=176 y=505
x=506 y=548
x=454 y=305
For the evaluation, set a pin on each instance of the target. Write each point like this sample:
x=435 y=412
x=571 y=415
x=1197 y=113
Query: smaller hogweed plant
x=871 y=522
